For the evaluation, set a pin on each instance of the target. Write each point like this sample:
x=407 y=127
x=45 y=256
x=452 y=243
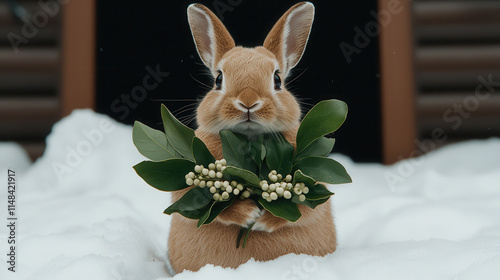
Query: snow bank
x=83 y=213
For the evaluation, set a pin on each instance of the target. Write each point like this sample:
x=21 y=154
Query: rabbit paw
x=242 y=213
x=269 y=223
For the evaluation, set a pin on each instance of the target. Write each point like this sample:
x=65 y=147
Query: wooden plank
x=29 y=81
x=78 y=59
x=473 y=127
x=434 y=105
x=443 y=58
x=462 y=33
x=442 y=12
x=453 y=80
x=44 y=59
x=29 y=108
x=398 y=85
x=31 y=130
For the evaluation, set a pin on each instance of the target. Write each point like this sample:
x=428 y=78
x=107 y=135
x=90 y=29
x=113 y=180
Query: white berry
x=225 y=195
x=272 y=187
x=204 y=171
x=217 y=184
x=196 y=182
x=280 y=191
x=189 y=181
x=288 y=178
x=229 y=189
x=287 y=194
x=211 y=166
x=216 y=196
x=302 y=197
x=219 y=175
x=265 y=195
x=210 y=184
x=273 y=196
x=245 y=194
x=213 y=189
x=203 y=184
x=198 y=168
x=211 y=174
x=265 y=187
x=223 y=162
x=305 y=190
x=239 y=187
x=236 y=191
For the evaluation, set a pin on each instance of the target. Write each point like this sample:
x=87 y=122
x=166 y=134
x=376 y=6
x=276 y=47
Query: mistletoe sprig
x=266 y=169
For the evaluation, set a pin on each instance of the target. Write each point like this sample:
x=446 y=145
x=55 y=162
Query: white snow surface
x=83 y=213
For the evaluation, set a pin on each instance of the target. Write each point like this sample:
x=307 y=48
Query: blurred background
x=416 y=75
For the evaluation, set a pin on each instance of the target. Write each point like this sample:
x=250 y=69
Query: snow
x=83 y=213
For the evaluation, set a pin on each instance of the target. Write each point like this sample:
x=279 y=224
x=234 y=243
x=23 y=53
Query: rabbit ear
x=288 y=38
x=210 y=36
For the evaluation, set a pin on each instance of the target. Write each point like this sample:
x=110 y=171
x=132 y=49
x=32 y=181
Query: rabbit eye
x=277 y=81
x=218 y=81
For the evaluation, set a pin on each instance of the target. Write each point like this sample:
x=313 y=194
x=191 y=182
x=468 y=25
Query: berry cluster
x=280 y=186
x=211 y=178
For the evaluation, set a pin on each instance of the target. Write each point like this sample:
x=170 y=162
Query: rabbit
x=249 y=97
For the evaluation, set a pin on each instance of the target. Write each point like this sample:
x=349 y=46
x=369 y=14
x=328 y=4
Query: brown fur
x=248 y=76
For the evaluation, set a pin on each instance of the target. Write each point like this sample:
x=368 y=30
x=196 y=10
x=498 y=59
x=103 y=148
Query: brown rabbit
x=249 y=97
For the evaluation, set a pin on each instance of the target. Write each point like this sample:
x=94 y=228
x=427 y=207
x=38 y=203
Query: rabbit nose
x=248 y=100
x=245 y=108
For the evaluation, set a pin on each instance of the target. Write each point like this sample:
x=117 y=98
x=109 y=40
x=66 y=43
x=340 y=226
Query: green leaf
x=205 y=216
x=151 y=143
x=165 y=175
x=240 y=235
x=283 y=208
x=254 y=148
x=173 y=150
x=309 y=203
x=279 y=153
x=323 y=169
x=320 y=147
x=200 y=153
x=241 y=175
x=324 y=118
x=235 y=152
x=179 y=135
x=299 y=177
x=317 y=195
x=194 y=204
x=318 y=192
x=215 y=209
x=247 y=234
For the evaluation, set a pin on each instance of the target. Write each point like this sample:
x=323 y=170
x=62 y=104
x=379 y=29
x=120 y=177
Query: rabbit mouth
x=249 y=127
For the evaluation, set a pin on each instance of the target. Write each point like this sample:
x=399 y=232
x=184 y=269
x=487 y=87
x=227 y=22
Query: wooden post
x=397 y=81
x=78 y=55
